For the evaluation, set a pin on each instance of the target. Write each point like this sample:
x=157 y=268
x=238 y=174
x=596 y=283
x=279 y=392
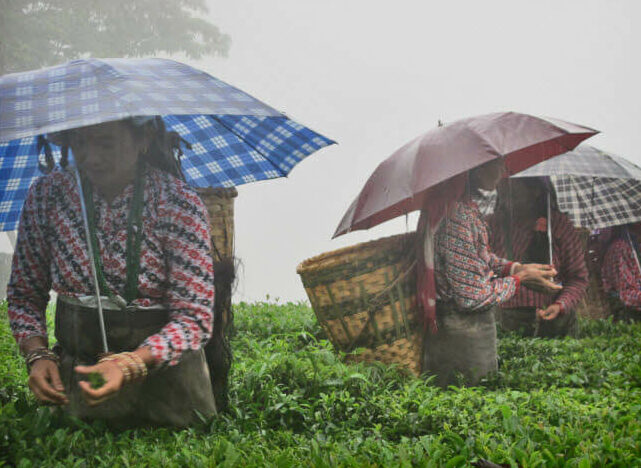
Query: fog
x=372 y=75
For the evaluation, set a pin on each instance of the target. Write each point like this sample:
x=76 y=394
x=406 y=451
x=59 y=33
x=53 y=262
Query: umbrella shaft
x=549 y=227
x=92 y=264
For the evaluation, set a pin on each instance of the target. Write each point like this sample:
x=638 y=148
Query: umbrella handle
x=92 y=263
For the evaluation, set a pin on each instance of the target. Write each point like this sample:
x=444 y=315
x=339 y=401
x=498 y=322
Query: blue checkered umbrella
x=596 y=189
x=235 y=138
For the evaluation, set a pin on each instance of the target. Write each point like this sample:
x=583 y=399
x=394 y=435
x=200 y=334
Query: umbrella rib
x=278 y=169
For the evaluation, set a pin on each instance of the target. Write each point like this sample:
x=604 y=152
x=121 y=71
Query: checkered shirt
x=568 y=259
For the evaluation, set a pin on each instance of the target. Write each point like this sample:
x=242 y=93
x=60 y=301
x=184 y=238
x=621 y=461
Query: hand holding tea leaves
x=111 y=373
x=551 y=312
x=45 y=383
x=44 y=375
x=538 y=276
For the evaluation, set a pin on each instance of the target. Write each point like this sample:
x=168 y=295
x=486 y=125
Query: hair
x=164 y=151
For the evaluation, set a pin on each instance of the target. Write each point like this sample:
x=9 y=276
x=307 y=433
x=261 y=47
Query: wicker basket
x=220 y=206
x=364 y=296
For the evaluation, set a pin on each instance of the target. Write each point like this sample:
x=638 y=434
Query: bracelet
x=141 y=367
x=124 y=368
x=40 y=353
x=131 y=365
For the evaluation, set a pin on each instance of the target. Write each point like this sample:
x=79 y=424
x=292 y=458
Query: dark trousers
x=173 y=395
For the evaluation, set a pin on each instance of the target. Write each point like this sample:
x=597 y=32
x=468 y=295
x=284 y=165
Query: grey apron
x=465 y=345
x=523 y=320
x=172 y=395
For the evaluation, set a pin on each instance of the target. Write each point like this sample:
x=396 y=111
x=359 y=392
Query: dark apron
x=171 y=395
x=620 y=312
x=523 y=321
x=464 y=346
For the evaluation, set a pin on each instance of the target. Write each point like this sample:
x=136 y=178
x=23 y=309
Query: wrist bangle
x=40 y=353
x=130 y=364
x=141 y=367
x=117 y=359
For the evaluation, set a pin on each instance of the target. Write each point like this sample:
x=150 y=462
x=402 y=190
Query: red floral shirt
x=175 y=262
x=620 y=273
x=465 y=269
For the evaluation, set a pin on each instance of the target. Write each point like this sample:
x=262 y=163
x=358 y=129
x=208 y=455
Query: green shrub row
x=570 y=402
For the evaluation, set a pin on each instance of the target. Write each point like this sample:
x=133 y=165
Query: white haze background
x=374 y=74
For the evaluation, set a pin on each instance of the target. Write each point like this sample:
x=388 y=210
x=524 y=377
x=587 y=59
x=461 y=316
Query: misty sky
x=374 y=74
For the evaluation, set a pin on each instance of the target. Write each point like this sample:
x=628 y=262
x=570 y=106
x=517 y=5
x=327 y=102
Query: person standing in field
x=150 y=235
x=621 y=273
x=470 y=282
x=518 y=232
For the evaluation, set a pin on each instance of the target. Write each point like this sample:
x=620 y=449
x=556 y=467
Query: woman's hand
x=117 y=370
x=114 y=380
x=44 y=382
x=550 y=313
x=539 y=276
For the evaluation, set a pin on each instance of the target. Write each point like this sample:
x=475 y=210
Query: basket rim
x=311 y=264
x=219 y=192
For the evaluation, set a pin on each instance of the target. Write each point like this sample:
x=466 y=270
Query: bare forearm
x=35 y=342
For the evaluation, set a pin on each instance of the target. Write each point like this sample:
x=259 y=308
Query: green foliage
x=96 y=380
x=570 y=402
x=41 y=33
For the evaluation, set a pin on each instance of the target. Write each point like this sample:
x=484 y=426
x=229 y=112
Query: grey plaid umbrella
x=596 y=189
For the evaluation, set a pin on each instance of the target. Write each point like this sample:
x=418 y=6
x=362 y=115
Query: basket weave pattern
x=364 y=296
x=220 y=206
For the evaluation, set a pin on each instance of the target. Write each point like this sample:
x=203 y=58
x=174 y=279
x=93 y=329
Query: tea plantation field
x=571 y=402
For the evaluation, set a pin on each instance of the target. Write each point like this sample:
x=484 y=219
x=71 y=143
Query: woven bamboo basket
x=364 y=297
x=220 y=206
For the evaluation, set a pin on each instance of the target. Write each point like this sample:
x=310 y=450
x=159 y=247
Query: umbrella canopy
x=401 y=183
x=234 y=138
x=596 y=189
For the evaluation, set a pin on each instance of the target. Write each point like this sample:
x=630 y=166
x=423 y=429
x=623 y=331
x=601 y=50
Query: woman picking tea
x=518 y=231
x=470 y=282
x=150 y=237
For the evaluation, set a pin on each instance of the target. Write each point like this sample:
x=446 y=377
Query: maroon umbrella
x=401 y=183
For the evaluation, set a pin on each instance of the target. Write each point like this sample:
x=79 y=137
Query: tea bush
x=568 y=402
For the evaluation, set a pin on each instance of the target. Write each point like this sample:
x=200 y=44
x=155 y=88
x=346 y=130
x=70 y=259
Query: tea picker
x=159 y=326
x=429 y=173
